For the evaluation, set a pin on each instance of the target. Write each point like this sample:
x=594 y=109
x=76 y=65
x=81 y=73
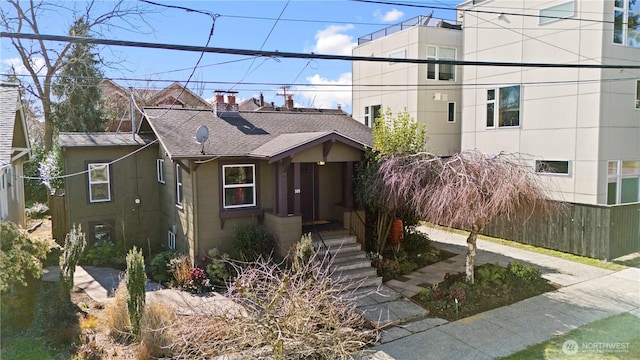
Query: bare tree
x=43 y=60
x=467 y=190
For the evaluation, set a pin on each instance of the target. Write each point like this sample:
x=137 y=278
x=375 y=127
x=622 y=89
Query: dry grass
x=88 y=322
x=116 y=316
x=284 y=314
x=156 y=331
x=181 y=270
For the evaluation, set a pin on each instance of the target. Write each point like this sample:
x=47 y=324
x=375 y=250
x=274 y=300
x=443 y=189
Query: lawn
x=616 y=337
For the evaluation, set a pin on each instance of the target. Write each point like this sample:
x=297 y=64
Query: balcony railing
x=422 y=20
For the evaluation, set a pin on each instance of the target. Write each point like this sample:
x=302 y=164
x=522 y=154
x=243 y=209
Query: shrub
x=159 y=267
x=524 y=272
x=407 y=266
x=103 y=253
x=89 y=348
x=491 y=275
x=218 y=267
x=181 y=270
x=198 y=281
x=252 y=241
x=416 y=243
x=37 y=211
x=74 y=244
x=116 y=315
x=155 y=326
x=20 y=256
x=303 y=252
x=136 y=280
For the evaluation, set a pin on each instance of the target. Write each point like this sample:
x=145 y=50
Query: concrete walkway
x=588 y=294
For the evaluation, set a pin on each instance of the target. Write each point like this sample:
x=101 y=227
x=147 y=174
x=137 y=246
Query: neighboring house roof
x=13 y=127
x=264 y=134
x=99 y=139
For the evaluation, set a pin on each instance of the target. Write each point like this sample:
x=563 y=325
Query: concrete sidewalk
x=589 y=294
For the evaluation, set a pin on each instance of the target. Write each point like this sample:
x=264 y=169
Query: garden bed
x=495 y=286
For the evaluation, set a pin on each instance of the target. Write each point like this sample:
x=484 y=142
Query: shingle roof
x=98 y=139
x=9 y=100
x=249 y=133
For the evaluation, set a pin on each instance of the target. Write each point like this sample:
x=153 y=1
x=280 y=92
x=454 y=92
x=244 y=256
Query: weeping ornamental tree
x=392 y=136
x=467 y=190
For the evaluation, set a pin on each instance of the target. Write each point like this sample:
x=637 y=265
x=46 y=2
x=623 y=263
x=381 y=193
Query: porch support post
x=283 y=167
x=297 y=207
x=348 y=185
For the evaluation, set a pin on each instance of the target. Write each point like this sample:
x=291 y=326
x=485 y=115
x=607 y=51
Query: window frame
x=370 y=114
x=91 y=182
x=451 y=114
x=618 y=178
x=626 y=13
x=498 y=110
x=638 y=94
x=160 y=170
x=253 y=185
x=179 y=190
x=541 y=171
x=171 y=240
x=436 y=67
x=543 y=20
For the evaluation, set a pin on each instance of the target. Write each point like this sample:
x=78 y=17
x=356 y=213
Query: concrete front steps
x=349 y=260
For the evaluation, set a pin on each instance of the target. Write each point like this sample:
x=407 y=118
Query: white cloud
x=332 y=41
x=37 y=63
x=329 y=93
x=389 y=16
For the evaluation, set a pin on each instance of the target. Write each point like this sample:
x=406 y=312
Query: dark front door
x=309 y=191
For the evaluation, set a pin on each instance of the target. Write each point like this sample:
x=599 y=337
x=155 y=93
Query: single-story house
x=15 y=150
x=172 y=187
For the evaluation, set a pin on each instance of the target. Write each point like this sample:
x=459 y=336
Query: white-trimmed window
x=554 y=167
x=503 y=106
x=371 y=113
x=171 y=240
x=557 y=12
x=626 y=23
x=451 y=112
x=160 y=170
x=238 y=185
x=99 y=182
x=446 y=72
x=623 y=181
x=399 y=54
x=179 y=188
x=638 y=94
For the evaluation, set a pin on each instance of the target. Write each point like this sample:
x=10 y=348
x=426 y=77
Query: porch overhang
x=287 y=145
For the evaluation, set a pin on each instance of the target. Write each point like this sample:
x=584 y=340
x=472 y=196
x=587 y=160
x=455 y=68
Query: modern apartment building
x=579 y=127
x=431 y=94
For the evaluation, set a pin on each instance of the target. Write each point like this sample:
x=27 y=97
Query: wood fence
x=59 y=225
x=596 y=231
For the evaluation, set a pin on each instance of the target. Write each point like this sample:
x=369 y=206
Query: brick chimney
x=289 y=102
x=261 y=99
x=339 y=107
x=220 y=106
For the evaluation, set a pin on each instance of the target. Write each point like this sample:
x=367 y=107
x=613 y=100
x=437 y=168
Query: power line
x=291 y=55
x=478 y=11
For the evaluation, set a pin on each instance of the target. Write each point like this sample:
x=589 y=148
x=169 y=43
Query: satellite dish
x=202 y=134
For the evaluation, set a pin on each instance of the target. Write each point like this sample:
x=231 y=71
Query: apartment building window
x=160 y=170
x=371 y=113
x=560 y=167
x=557 y=12
x=626 y=23
x=507 y=107
x=451 y=112
x=99 y=183
x=239 y=185
x=637 y=94
x=446 y=72
x=400 y=54
x=179 y=187
x=623 y=181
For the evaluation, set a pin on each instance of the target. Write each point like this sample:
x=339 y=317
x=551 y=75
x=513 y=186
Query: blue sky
x=323 y=27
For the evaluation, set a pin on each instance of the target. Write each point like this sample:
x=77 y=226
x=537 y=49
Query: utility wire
x=477 y=11
x=291 y=55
